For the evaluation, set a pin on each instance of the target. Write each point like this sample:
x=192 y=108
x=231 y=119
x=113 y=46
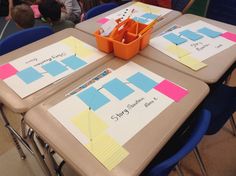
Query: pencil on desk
x=148 y=27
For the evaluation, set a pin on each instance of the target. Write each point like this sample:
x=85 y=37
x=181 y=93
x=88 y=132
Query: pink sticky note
x=171 y=90
x=6 y=71
x=229 y=36
x=103 y=20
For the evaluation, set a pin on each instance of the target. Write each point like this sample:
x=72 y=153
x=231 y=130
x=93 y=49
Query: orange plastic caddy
x=125 y=39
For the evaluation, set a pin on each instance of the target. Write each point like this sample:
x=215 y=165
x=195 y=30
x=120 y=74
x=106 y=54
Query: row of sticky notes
x=95 y=99
x=109 y=152
x=142 y=19
x=177 y=39
x=30 y=74
x=184 y=57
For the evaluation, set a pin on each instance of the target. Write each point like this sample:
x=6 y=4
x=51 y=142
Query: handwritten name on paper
x=126 y=111
x=147 y=104
x=199 y=46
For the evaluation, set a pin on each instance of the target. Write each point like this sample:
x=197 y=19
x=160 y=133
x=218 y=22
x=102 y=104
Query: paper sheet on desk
x=140 y=12
x=34 y=71
x=193 y=43
x=116 y=108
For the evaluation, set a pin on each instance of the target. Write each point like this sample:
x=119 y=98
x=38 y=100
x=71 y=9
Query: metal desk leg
x=49 y=160
x=15 y=136
x=23 y=127
x=51 y=163
x=37 y=153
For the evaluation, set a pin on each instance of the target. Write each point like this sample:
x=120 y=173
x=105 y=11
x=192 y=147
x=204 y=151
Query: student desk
x=217 y=65
x=14 y=103
x=10 y=99
x=142 y=147
x=91 y=25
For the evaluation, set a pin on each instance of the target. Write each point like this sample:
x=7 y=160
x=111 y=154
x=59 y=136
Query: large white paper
x=201 y=49
x=125 y=117
x=55 y=52
x=140 y=12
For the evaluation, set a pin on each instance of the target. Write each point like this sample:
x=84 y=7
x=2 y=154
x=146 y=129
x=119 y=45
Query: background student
x=6 y=6
x=86 y=5
x=161 y=3
x=70 y=10
x=51 y=12
x=23 y=16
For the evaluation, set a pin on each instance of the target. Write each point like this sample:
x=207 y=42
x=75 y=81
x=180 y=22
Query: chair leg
x=233 y=125
x=200 y=162
x=179 y=170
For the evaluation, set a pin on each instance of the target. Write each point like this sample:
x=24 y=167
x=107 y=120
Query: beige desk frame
x=142 y=147
x=11 y=101
x=216 y=65
x=91 y=25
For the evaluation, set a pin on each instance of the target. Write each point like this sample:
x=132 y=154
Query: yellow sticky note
x=147 y=8
x=143 y=6
x=78 y=47
x=177 y=51
x=139 y=4
x=89 y=124
x=155 y=11
x=83 y=52
x=192 y=62
x=107 y=151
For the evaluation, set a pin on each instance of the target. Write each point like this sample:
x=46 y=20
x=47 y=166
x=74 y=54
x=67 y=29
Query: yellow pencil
x=148 y=27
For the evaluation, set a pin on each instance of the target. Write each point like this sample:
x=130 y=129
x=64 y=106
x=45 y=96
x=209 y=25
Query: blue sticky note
x=191 y=35
x=142 y=81
x=118 y=88
x=29 y=75
x=175 y=38
x=209 y=32
x=140 y=20
x=73 y=62
x=93 y=98
x=150 y=16
x=54 y=68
